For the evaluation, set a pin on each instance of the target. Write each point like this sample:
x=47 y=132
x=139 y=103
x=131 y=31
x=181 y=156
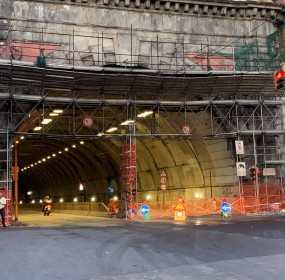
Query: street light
x=82 y=189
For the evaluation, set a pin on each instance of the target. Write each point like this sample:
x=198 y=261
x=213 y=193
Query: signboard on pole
x=163 y=179
x=269 y=172
x=239 y=147
x=144 y=209
x=226 y=207
x=241 y=170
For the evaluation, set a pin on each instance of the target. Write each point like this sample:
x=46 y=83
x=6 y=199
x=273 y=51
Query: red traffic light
x=279 y=74
x=279 y=79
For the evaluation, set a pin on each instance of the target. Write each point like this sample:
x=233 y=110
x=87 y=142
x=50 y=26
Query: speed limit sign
x=186 y=129
x=87 y=121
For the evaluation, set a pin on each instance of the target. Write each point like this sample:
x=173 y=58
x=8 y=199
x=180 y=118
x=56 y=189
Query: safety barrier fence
x=161 y=210
x=202 y=207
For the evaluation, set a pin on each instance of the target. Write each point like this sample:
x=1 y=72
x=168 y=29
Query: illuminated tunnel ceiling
x=160 y=143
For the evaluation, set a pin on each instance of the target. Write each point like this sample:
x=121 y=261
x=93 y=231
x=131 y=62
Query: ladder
x=6 y=179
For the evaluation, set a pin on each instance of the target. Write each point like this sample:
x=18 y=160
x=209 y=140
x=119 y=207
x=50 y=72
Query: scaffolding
x=220 y=91
x=6 y=174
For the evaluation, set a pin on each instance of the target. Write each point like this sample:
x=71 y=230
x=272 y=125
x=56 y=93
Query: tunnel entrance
x=73 y=131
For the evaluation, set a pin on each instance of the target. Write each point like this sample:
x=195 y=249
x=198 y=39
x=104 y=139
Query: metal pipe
x=82 y=101
x=16 y=171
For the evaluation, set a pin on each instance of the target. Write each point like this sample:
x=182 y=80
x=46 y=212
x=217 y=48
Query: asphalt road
x=83 y=248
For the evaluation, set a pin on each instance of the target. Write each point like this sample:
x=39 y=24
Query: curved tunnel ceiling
x=186 y=160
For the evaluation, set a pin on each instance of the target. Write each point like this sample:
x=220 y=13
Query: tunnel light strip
x=46 y=121
x=112 y=129
x=144 y=114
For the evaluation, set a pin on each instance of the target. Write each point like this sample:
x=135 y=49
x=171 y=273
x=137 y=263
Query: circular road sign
x=186 y=129
x=163 y=187
x=144 y=210
x=226 y=207
x=163 y=180
x=87 y=121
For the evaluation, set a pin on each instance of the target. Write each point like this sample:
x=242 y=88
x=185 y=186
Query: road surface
x=74 y=247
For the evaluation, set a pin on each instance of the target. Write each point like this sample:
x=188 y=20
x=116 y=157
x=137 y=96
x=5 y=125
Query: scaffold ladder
x=5 y=161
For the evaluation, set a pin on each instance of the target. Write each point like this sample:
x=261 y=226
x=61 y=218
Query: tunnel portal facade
x=80 y=85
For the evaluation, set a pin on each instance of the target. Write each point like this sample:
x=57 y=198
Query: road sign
x=226 y=207
x=163 y=180
x=186 y=129
x=162 y=174
x=239 y=147
x=111 y=190
x=87 y=121
x=241 y=170
x=163 y=187
x=144 y=210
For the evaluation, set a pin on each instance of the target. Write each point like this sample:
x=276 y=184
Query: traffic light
x=252 y=173
x=279 y=79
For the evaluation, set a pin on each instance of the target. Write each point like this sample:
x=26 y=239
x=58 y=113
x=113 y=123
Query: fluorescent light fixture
x=144 y=114
x=54 y=155
x=22 y=137
x=21 y=202
x=61 y=200
x=44 y=159
x=46 y=121
x=53 y=114
x=17 y=142
x=32 y=165
x=66 y=149
x=33 y=201
x=93 y=198
x=75 y=199
x=127 y=122
x=81 y=142
x=48 y=157
x=112 y=129
x=59 y=152
x=81 y=187
x=29 y=192
x=73 y=146
x=41 y=201
x=36 y=163
x=37 y=128
x=39 y=161
x=100 y=134
x=57 y=111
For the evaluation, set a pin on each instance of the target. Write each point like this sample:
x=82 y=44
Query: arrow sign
x=144 y=210
x=226 y=207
